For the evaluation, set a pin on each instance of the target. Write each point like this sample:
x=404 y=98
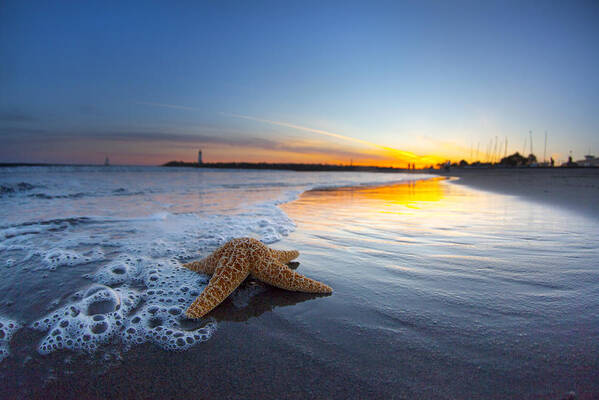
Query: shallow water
x=73 y=237
x=444 y=291
x=441 y=291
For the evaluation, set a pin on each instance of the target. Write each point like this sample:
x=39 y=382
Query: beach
x=443 y=288
x=570 y=188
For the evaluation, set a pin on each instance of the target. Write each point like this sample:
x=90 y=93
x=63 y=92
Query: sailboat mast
x=530 y=133
x=545 y=150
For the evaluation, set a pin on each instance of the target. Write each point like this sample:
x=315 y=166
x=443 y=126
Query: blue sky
x=147 y=82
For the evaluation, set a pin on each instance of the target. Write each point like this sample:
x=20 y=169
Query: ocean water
x=91 y=255
x=441 y=291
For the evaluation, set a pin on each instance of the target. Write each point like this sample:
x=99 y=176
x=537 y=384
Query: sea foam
x=7 y=329
x=130 y=316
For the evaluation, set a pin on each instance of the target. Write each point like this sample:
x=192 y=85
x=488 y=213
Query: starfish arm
x=284 y=256
x=196 y=266
x=225 y=279
x=204 y=266
x=276 y=274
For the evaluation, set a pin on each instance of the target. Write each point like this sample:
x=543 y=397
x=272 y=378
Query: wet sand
x=575 y=189
x=441 y=292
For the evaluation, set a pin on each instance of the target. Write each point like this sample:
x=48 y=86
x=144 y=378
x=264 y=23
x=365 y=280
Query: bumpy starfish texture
x=230 y=264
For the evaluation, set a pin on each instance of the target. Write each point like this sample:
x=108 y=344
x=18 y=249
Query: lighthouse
x=199 y=157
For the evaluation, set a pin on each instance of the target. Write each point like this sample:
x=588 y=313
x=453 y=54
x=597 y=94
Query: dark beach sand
x=427 y=305
x=575 y=189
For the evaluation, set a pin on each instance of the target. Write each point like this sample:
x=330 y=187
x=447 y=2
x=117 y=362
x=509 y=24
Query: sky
x=372 y=82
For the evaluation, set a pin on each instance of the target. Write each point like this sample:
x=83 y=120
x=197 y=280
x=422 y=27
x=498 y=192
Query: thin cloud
x=396 y=152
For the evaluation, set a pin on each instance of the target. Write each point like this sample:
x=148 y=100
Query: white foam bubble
x=154 y=313
x=7 y=329
x=161 y=320
x=120 y=270
x=57 y=257
x=88 y=323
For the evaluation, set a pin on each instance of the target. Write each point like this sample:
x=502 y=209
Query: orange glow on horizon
x=394 y=156
x=308 y=150
x=158 y=154
x=304 y=150
x=226 y=154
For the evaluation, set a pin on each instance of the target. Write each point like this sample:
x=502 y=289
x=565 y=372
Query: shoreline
x=575 y=189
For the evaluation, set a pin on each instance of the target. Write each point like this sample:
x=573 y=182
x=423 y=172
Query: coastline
x=298 y=167
x=575 y=189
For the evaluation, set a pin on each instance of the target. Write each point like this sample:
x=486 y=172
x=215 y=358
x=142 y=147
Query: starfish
x=234 y=261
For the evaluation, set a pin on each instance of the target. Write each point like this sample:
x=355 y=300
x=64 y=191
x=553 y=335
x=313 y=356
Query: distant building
x=589 y=161
x=199 y=157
